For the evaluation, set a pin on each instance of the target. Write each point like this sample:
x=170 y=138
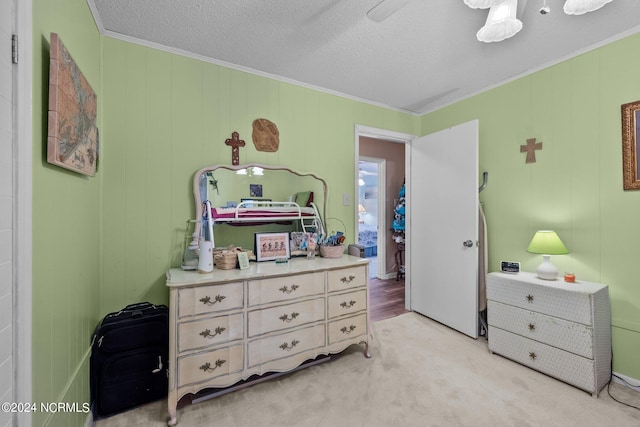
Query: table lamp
x=547 y=243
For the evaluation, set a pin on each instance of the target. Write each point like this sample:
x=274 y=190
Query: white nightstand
x=558 y=328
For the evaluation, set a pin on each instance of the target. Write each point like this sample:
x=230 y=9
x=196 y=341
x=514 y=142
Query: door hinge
x=14 y=48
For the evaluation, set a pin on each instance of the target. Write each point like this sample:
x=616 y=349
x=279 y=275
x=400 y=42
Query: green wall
x=167 y=116
x=100 y=243
x=575 y=187
x=66 y=227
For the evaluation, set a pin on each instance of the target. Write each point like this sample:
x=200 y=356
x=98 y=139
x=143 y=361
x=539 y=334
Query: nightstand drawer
x=555 y=298
x=571 y=336
x=565 y=366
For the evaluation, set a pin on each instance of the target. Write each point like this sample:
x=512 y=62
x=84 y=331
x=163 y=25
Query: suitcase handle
x=136 y=309
x=138 y=306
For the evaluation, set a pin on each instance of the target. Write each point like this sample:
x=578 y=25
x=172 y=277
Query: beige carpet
x=421 y=374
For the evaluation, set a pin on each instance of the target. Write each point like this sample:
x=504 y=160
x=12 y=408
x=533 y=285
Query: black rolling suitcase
x=129 y=353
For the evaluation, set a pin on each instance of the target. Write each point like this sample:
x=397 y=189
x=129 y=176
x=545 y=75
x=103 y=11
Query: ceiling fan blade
x=385 y=9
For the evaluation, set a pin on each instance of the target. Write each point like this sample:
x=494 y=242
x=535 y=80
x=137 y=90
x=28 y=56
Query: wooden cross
x=530 y=149
x=235 y=142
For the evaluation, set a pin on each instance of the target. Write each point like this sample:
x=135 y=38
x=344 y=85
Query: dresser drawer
x=209 y=299
x=565 y=366
x=571 y=336
x=346 y=328
x=346 y=278
x=216 y=330
x=284 y=288
x=552 y=298
x=347 y=303
x=286 y=345
x=285 y=316
x=208 y=365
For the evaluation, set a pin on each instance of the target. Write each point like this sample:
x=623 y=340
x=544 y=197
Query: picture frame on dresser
x=272 y=246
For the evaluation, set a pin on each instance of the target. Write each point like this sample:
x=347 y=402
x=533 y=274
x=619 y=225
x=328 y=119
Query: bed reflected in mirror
x=261 y=189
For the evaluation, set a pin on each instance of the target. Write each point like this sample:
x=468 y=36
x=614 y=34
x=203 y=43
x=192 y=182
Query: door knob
x=467 y=244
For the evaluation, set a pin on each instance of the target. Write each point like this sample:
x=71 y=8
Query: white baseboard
x=632 y=383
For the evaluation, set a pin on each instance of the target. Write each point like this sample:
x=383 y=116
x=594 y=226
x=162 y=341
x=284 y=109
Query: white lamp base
x=546 y=270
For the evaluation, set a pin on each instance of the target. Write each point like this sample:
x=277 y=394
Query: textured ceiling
x=421 y=58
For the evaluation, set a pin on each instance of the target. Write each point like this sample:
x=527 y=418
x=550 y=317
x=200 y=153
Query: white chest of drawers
x=231 y=324
x=558 y=328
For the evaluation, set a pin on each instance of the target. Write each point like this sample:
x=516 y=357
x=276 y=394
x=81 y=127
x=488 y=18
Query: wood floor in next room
x=386 y=298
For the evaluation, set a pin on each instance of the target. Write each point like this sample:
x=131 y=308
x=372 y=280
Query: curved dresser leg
x=366 y=349
x=173 y=409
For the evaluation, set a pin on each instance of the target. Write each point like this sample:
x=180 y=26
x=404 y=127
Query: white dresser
x=558 y=328
x=228 y=325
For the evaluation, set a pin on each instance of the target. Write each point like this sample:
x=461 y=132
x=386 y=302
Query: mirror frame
x=196 y=185
x=630 y=165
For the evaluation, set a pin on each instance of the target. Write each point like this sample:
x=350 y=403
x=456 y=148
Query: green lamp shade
x=547 y=242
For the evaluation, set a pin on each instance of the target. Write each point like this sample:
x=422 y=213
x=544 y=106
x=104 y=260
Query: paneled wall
x=575 y=187
x=66 y=227
x=167 y=116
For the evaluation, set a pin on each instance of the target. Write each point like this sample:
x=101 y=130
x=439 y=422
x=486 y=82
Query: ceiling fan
x=502 y=21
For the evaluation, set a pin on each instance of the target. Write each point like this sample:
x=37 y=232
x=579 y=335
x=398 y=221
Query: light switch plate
x=346 y=200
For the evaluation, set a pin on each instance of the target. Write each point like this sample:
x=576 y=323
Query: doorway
x=372 y=144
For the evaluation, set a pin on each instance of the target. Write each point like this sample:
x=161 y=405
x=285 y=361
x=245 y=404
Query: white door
x=7 y=366
x=443 y=206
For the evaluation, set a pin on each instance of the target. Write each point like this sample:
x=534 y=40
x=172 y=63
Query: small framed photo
x=255 y=190
x=243 y=260
x=270 y=246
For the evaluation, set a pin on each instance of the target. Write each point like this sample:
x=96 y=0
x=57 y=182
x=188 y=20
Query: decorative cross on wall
x=530 y=149
x=235 y=142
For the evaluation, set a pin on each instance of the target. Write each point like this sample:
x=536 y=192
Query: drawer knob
x=530 y=298
x=285 y=289
x=207 y=366
x=347 y=279
x=207 y=300
x=532 y=355
x=286 y=318
x=532 y=327
x=207 y=332
x=347 y=304
x=289 y=347
x=348 y=330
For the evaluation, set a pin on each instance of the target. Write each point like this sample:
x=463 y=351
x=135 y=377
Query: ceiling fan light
x=501 y=22
x=481 y=4
x=580 y=7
